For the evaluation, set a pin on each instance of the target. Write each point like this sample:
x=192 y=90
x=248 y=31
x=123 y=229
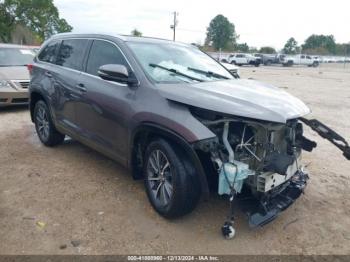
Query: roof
x=125 y=38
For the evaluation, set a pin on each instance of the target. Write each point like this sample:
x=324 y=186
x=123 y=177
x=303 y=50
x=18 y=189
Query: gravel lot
x=72 y=200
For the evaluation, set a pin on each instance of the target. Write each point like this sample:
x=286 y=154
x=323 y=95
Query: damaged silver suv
x=178 y=119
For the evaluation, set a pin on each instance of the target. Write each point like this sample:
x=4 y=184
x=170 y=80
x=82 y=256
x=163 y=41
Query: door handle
x=81 y=87
x=48 y=74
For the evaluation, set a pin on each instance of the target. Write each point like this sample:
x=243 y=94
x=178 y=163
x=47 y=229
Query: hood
x=246 y=98
x=14 y=73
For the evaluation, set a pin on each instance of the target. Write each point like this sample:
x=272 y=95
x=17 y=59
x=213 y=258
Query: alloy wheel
x=159 y=177
x=43 y=125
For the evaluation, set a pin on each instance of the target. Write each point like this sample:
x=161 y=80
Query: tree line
x=221 y=35
x=41 y=17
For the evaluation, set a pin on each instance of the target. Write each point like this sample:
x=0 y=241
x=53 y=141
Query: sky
x=257 y=22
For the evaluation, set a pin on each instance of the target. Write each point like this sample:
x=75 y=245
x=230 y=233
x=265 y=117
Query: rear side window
x=49 y=52
x=103 y=53
x=71 y=53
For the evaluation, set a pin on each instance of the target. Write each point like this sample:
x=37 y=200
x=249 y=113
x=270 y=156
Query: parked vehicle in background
x=300 y=59
x=286 y=60
x=317 y=58
x=243 y=59
x=268 y=59
x=258 y=57
x=233 y=69
x=14 y=75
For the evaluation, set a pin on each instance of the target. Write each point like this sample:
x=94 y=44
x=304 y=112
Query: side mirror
x=117 y=73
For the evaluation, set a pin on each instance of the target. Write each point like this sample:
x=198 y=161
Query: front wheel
x=44 y=126
x=170 y=180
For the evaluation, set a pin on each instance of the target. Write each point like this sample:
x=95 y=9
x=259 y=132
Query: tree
x=342 y=49
x=267 y=50
x=244 y=48
x=135 y=32
x=221 y=33
x=253 y=49
x=6 y=24
x=291 y=47
x=320 y=42
x=40 y=16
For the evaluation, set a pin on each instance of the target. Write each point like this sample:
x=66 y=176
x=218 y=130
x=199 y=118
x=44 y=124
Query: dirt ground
x=72 y=200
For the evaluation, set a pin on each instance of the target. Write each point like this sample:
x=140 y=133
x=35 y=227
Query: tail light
x=30 y=68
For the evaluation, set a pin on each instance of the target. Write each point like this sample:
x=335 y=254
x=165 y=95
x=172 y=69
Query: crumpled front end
x=268 y=207
x=259 y=162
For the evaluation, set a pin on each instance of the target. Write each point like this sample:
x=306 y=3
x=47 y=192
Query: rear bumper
x=9 y=96
x=261 y=212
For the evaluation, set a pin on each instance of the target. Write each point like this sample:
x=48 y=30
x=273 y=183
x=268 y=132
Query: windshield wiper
x=207 y=73
x=172 y=70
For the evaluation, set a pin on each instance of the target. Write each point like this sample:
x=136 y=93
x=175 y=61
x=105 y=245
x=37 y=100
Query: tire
x=175 y=190
x=268 y=62
x=289 y=63
x=315 y=64
x=233 y=62
x=44 y=126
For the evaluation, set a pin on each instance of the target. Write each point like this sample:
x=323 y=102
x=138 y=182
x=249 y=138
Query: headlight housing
x=5 y=84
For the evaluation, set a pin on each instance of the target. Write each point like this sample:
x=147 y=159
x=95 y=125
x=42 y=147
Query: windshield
x=16 y=56
x=166 y=62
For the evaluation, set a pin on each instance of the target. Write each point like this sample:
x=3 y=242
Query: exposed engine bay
x=271 y=152
x=258 y=162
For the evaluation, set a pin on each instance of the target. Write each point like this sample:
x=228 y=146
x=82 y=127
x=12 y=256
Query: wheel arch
x=34 y=97
x=144 y=133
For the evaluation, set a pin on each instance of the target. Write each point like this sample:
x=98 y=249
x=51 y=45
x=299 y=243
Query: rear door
x=104 y=109
x=41 y=77
x=66 y=77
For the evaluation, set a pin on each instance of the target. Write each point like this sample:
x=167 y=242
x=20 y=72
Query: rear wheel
x=170 y=180
x=44 y=126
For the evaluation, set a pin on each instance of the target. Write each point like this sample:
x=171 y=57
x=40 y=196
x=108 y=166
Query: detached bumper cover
x=261 y=213
x=329 y=134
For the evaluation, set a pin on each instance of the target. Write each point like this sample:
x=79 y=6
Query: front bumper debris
x=267 y=209
x=327 y=133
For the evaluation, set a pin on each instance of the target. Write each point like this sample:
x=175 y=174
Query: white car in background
x=301 y=59
x=243 y=59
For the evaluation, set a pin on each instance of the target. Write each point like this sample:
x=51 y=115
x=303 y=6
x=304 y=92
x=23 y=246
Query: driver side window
x=103 y=53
